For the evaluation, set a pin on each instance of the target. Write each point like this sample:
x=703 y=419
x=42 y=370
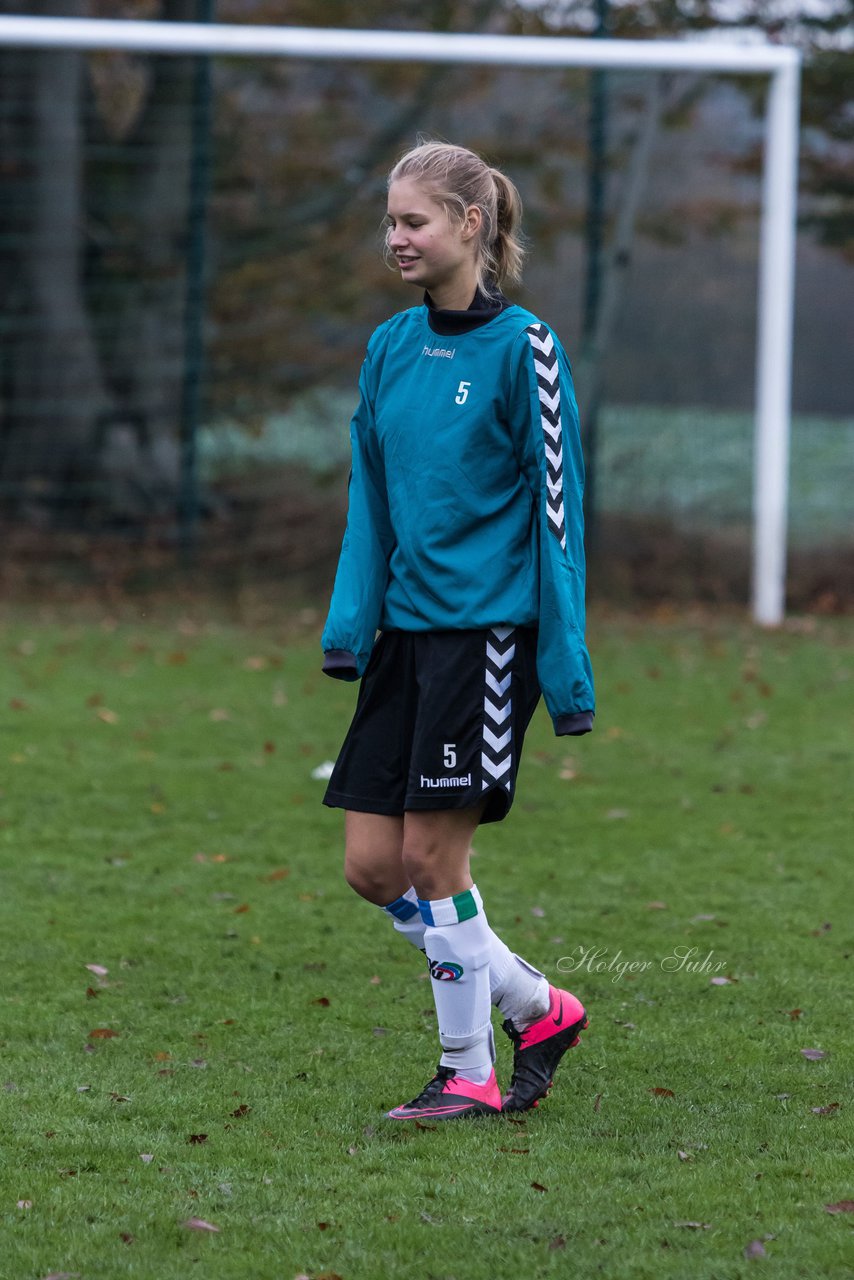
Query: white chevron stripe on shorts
x=497 y=747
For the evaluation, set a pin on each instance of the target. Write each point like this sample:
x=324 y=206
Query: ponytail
x=508 y=248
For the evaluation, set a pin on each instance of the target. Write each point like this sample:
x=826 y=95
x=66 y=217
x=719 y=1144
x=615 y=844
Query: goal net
x=190 y=229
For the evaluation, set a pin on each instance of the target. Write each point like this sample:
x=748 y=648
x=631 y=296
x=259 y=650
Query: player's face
x=432 y=250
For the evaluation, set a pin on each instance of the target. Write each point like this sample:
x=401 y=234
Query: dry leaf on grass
x=199 y=1224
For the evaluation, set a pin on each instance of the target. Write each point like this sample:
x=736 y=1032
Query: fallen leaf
x=242 y=1110
x=25 y=1204
x=196 y=1139
x=597 y=1102
x=91 y=993
x=281 y=873
x=126 y=1237
x=516 y=1151
x=119 y=1097
x=814 y=1055
x=721 y=981
x=108 y=717
x=242 y=909
x=841 y=1206
x=559 y=1242
x=695 y=1226
x=98 y=970
x=794 y=1014
x=658 y=1092
x=322 y=1226
x=829 y=1110
x=146 y=1158
x=683 y=1155
x=199 y=1224
x=323 y=1001
x=756 y=1249
x=656 y=906
x=538 y=1186
x=429 y=1128
x=102 y=1033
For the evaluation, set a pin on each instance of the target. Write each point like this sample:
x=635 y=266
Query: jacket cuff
x=340 y=664
x=576 y=724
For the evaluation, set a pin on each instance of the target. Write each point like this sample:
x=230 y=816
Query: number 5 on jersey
x=462 y=392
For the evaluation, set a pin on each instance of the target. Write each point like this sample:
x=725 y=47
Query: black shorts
x=439 y=722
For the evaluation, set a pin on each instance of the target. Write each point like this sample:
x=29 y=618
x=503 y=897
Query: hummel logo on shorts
x=464 y=781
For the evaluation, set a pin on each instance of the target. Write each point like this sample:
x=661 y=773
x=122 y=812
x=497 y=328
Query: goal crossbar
x=780 y=63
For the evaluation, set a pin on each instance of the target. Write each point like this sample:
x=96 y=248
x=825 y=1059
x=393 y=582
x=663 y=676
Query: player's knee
x=370 y=880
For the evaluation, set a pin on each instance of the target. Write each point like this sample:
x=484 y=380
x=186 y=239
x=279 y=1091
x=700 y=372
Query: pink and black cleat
x=449 y=1096
x=538 y=1050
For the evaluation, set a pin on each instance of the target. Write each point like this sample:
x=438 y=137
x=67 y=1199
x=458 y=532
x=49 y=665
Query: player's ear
x=473 y=222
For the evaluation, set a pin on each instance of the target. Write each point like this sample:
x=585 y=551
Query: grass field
x=202 y=1025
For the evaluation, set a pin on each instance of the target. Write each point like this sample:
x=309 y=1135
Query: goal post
x=781 y=64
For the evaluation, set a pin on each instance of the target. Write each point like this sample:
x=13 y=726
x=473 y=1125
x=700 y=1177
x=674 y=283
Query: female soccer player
x=464 y=549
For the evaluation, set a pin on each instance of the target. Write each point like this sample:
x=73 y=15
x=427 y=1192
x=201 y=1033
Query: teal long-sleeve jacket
x=466 y=499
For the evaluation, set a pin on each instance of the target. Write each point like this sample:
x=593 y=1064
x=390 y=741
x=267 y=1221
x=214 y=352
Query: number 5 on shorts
x=450 y=755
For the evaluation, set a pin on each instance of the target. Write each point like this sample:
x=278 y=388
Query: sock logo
x=444 y=970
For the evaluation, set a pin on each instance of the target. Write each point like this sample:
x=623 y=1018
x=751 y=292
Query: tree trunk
x=53 y=387
x=142 y=201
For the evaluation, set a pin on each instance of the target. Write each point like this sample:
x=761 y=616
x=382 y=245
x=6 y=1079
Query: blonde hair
x=458 y=178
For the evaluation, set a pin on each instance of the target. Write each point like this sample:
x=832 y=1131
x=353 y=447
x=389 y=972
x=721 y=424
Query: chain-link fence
x=191 y=269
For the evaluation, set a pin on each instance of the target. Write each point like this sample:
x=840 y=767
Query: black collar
x=484 y=307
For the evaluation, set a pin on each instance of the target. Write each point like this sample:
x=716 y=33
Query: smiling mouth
x=406 y=262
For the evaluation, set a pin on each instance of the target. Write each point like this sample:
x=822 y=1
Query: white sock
x=458 y=943
x=407 y=918
x=519 y=991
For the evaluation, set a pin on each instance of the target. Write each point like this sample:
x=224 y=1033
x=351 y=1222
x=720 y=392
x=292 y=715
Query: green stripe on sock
x=465 y=906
